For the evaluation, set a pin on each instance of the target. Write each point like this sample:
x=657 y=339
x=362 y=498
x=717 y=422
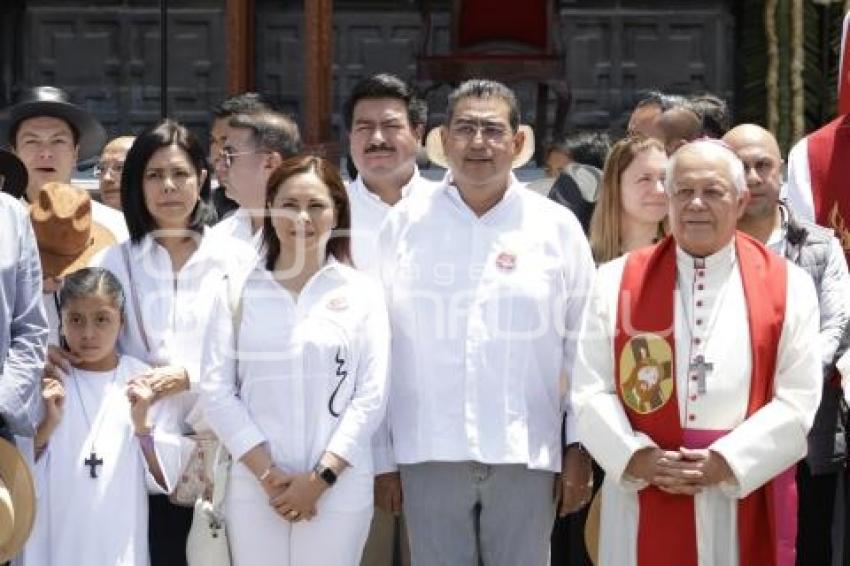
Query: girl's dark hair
x=165 y=134
x=91 y=281
x=339 y=245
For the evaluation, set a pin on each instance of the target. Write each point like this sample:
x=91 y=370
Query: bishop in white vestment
x=706 y=378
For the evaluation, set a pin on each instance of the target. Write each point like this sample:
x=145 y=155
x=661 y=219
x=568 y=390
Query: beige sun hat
x=66 y=234
x=434 y=147
x=17 y=501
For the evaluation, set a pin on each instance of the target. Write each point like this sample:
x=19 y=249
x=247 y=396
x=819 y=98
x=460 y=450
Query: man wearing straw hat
x=485 y=286
x=23 y=337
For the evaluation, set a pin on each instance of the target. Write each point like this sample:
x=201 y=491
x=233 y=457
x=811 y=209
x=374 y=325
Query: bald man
x=819 y=253
x=109 y=169
x=678 y=126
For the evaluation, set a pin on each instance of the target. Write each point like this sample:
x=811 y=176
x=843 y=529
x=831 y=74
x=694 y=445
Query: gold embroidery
x=646 y=373
x=836 y=222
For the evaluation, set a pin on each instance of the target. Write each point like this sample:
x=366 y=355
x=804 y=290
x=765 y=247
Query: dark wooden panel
x=108 y=59
x=615 y=54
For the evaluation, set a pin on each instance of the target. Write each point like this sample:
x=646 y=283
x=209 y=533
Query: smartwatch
x=325 y=473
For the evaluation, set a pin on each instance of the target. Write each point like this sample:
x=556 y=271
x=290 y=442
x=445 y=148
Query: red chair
x=505 y=40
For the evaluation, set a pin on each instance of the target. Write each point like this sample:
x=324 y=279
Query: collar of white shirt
x=448 y=186
x=360 y=187
x=722 y=260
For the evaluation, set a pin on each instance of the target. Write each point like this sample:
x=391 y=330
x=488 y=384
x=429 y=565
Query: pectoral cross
x=93 y=462
x=701 y=368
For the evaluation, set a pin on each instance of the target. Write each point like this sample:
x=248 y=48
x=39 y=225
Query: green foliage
x=821 y=44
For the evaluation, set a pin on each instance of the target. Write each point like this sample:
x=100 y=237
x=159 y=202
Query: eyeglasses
x=101 y=169
x=467 y=130
x=227 y=156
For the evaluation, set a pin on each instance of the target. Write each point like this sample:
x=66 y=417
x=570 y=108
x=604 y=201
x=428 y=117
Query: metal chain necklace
x=697 y=363
x=92 y=462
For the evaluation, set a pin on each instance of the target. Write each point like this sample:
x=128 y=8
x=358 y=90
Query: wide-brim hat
x=67 y=236
x=17 y=501
x=434 y=147
x=13 y=174
x=54 y=102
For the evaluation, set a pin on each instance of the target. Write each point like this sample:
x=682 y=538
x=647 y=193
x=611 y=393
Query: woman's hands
x=297 y=501
x=166 y=381
x=141 y=396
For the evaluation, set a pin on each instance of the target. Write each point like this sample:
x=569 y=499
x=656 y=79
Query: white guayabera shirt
x=484 y=314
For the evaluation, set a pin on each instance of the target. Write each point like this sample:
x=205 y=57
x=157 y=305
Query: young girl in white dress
x=98 y=450
x=298 y=403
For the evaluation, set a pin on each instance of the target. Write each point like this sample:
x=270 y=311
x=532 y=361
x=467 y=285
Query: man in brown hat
x=50 y=134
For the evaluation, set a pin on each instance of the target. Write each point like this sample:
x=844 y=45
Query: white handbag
x=207 y=544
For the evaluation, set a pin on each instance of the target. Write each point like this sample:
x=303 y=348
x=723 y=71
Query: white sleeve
x=602 y=424
x=798 y=189
x=173 y=450
x=224 y=411
x=365 y=412
x=578 y=288
x=382 y=440
x=774 y=437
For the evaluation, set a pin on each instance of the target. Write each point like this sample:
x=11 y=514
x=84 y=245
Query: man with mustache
x=385 y=124
x=816 y=250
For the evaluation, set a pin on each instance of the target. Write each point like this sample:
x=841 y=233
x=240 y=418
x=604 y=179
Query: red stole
x=645 y=320
x=829 y=168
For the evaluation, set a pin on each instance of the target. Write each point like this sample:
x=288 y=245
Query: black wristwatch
x=325 y=473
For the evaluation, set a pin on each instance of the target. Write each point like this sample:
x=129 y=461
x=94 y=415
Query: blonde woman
x=632 y=205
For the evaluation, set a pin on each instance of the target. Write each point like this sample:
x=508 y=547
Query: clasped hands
x=293 y=496
x=684 y=471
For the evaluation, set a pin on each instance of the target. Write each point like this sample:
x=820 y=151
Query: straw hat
x=17 y=501
x=13 y=174
x=434 y=148
x=67 y=236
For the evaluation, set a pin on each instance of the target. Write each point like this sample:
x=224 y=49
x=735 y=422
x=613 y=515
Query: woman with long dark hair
x=294 y=380
x=169 y=268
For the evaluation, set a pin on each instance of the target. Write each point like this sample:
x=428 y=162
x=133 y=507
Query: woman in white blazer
x=295 y=380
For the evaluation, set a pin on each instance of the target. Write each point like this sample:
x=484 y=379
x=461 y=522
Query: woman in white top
x=168 y=268
x=297 y=405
